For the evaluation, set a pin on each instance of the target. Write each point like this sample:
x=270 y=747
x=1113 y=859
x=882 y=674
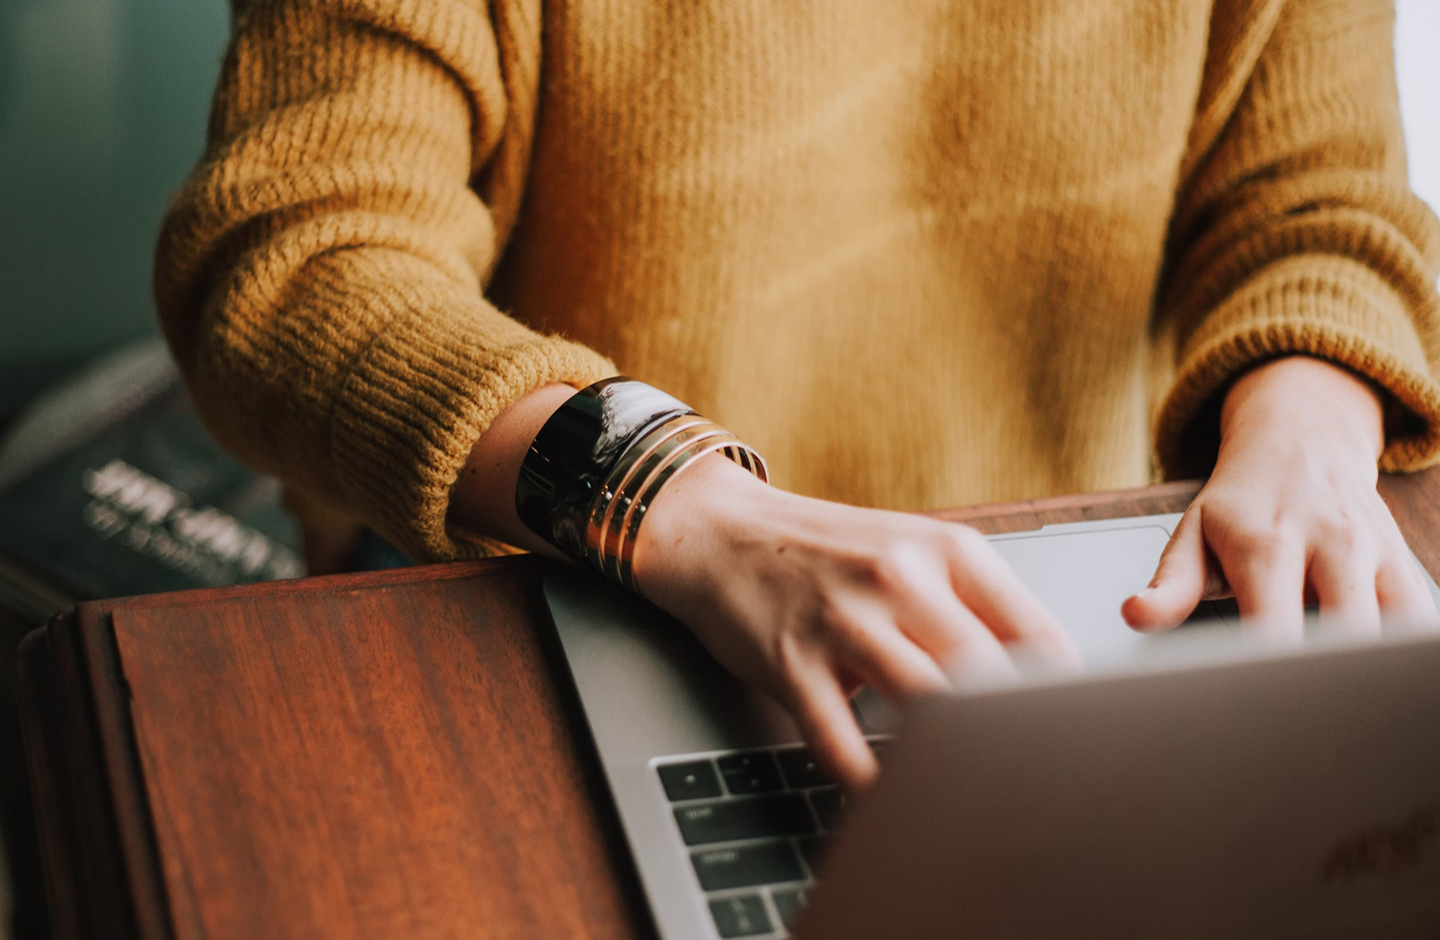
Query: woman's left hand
x=1291 y=515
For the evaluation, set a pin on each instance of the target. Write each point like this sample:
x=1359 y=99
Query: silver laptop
x=1185 y=787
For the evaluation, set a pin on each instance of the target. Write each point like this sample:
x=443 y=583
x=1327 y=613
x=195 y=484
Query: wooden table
x=379 y=755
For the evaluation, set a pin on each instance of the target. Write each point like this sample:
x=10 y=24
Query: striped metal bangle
x=725 y=444
x=654 y=459
x=615 y=495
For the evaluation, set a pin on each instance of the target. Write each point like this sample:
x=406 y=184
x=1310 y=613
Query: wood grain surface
x=374 y=761
x=392 y=754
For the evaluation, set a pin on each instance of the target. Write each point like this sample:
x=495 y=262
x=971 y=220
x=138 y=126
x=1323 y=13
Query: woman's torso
x=908 y=251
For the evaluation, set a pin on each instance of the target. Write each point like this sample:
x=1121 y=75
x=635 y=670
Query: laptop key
x=801 y=769
x=693 y=780
x=829 y=803
x=783 y=814
x=788 y=904
x=751 y=772
x=746 y=866
x=741 y=916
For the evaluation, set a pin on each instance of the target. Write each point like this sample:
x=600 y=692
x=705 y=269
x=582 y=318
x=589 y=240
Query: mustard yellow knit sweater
x=917 y=253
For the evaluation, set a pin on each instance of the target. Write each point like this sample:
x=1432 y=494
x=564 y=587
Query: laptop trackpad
x=1084 y=577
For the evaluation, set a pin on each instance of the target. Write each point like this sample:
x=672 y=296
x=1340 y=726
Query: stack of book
x=111 y=486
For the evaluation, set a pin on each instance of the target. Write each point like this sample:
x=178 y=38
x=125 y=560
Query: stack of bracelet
x=599 y=462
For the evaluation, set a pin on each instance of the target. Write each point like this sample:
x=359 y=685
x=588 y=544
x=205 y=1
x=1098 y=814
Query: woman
x=935 y=255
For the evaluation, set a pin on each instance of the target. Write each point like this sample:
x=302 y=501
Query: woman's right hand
x=806 y=599
x=809 y=600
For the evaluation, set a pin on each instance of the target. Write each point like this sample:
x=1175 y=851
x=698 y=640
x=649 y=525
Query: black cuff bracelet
x=571 y=456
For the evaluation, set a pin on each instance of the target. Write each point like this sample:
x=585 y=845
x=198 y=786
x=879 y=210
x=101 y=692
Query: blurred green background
x=102 y=113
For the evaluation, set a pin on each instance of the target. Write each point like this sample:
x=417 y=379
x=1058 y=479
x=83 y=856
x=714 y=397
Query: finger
x=1401 y=587
x=991 y=590
x=822 y=712
x=1267 y=572
x=1401 y=591
x=968 y=652
x=1184 y=577
x=890 y=661
x=935 y=620
x=1343 y=577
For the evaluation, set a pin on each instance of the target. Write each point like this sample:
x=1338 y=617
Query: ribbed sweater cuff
x=1332 y=308
x=416 y=403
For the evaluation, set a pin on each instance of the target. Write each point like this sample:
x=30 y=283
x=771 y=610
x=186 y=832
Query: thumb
x=1179 y=583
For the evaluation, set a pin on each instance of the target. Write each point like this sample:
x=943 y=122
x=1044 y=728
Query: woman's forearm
x=805 y=598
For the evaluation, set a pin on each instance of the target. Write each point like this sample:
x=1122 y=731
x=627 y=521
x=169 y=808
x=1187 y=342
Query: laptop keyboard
x=754 y=824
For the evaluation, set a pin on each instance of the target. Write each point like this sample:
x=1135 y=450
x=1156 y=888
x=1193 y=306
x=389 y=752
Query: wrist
x=1306 y=396
x=714 y=495
x=598 y=463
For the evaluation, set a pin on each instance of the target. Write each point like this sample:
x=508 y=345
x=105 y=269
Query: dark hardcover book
x=110 y=486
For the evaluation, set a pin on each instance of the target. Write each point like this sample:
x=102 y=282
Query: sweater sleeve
x=1294 y=229
x=319 y=277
